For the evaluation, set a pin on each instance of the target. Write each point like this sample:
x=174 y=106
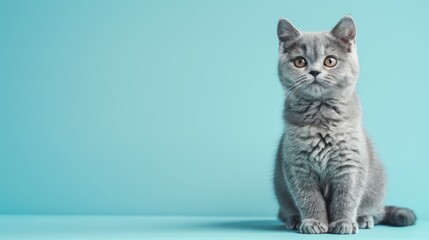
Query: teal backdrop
x=174 y=107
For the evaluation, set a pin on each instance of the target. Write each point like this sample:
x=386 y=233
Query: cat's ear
x=286 y=31
x=345 y=31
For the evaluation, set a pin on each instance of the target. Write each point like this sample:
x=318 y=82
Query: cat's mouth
x=316 y=82
x=317 y=86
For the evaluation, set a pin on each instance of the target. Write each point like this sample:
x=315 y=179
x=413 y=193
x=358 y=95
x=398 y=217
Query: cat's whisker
x=331 y=82
x=294 y=88
x=299 y=81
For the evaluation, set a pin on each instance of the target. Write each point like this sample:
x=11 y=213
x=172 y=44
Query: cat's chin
x=316 y=90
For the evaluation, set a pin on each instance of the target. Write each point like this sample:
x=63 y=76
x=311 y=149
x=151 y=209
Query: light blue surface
x=201 y=228
x=174 y=107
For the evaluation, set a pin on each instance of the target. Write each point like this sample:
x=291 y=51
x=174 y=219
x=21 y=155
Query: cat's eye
x=330 y=61
x=300 y=62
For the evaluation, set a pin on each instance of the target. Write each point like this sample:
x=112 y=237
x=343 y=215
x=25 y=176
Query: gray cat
x=327 y=177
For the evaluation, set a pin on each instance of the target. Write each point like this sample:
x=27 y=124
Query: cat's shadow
x=249 y=225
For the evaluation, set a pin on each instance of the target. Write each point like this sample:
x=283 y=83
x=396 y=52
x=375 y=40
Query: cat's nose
x=314 y=73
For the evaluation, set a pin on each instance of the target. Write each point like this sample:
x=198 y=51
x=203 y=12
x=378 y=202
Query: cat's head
x=318 y=64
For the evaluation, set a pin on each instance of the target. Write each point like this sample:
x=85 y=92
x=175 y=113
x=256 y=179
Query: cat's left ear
x=345 y=32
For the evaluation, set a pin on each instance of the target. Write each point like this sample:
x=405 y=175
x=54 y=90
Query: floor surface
x=142 y=227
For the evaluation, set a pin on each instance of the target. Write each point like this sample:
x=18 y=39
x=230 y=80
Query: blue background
x=174 y=107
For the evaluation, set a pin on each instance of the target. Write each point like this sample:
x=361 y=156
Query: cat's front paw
x=343 y=227
x=312 y=226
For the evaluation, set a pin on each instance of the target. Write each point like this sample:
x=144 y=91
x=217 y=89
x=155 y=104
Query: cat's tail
x=397 y=216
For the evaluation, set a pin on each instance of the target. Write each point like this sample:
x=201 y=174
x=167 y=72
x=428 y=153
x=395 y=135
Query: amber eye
x=330 y=61
x=300 y=62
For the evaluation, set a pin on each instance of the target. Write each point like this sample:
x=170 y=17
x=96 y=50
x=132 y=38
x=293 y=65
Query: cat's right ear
x=286 y=32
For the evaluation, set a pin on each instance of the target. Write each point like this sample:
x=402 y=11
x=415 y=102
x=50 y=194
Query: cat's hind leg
x=292 y=222
x=365 y=221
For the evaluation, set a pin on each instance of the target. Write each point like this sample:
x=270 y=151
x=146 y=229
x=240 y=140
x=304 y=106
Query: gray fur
x=327 y=177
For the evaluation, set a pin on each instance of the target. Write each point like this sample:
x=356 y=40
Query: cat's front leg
x=309 y=200
x=346 y=189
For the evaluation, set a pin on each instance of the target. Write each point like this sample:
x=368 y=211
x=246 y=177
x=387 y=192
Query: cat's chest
x=317 y=146
x=317 y=143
